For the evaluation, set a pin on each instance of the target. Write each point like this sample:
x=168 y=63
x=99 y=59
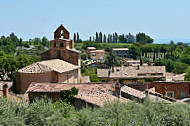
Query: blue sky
x=161 y=19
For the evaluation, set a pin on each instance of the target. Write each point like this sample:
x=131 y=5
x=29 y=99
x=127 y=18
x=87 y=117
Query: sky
x=163 y=20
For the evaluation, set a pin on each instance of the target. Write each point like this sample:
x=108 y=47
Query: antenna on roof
x=61 y=22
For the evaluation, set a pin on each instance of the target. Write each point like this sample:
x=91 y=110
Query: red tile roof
x=95 y=93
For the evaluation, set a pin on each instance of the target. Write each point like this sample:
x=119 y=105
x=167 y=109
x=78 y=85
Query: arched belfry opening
x=62 y=33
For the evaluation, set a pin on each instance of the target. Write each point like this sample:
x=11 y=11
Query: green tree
x=110 y=60
x=169 y=66
x=187 y=75
x=45 y=42
x=37 y=41
x=100 y=37
x=143 y=38
x=134 y=52
x=74 y=38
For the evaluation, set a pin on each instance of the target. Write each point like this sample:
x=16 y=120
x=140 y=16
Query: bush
x=68 y=95
x=45 y=112
x=26 y=45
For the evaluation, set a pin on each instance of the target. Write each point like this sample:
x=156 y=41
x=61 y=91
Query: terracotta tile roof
x=175 y=77
x=97 y=51
x=118 y=49
x=102 y=72
x=141 y=95
x=56 y=65
x=91 y=92
x=89 y=48
x=129 y=61
x=133 y=72
x=86 y=79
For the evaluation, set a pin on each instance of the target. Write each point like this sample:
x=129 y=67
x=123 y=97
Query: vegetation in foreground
x=114 y=113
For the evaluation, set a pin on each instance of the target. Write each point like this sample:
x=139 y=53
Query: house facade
x=95 y=54
x=121 y=52
x=177 y=90
x=60 y=64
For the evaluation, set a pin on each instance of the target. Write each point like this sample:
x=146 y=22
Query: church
x=59 y=64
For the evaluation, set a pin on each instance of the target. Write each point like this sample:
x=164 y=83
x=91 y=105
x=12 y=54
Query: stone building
x=60 y=64
x=132 y=75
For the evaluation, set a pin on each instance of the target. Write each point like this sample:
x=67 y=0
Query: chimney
x=138 y=67
x=5 y=90
x=146 y=93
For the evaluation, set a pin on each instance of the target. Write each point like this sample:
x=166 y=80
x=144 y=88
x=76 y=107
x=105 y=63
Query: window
x=61 y=44
x=101 y=53
x=93 y=54
x=94 y=58
x=103 y=80
x=93 y=65
x=55 y=45
x=183 y=95
x=170 y=94
x=101 y=58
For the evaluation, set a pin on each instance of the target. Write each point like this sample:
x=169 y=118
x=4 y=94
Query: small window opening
x=61 y=44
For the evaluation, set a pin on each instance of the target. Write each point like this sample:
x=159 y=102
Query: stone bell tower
x=62 y=47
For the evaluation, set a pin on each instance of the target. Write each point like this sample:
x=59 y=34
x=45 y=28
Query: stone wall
x=79 y=103
x=23 y=80
x=37 y=95
x=68 y=77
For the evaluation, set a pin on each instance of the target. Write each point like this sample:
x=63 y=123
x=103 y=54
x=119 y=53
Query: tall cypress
x=74 y=37
x=77 y=40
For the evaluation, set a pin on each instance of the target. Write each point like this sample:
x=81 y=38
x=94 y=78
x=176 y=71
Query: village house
x=121 y=52
x=60 y=64
x=91 y=94
x=132 y=75
x=177 y=90
x=95 y=54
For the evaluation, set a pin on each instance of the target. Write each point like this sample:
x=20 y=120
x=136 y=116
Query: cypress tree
x=74 y=37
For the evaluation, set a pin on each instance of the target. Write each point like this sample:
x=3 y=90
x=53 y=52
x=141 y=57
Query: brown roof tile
x=57 y=65
x=91 y=92
x=133 y=72
x=85 y=79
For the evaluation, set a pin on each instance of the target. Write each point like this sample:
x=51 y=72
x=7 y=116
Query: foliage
x=187 y=75
x=26 y=45
x=134 y=52
x=172 y=66
x=142 y=38
x=110 y=60
x=92 y=72
x=45 y=112
x=9 y=64
x=84 y=56
x=68 y=95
